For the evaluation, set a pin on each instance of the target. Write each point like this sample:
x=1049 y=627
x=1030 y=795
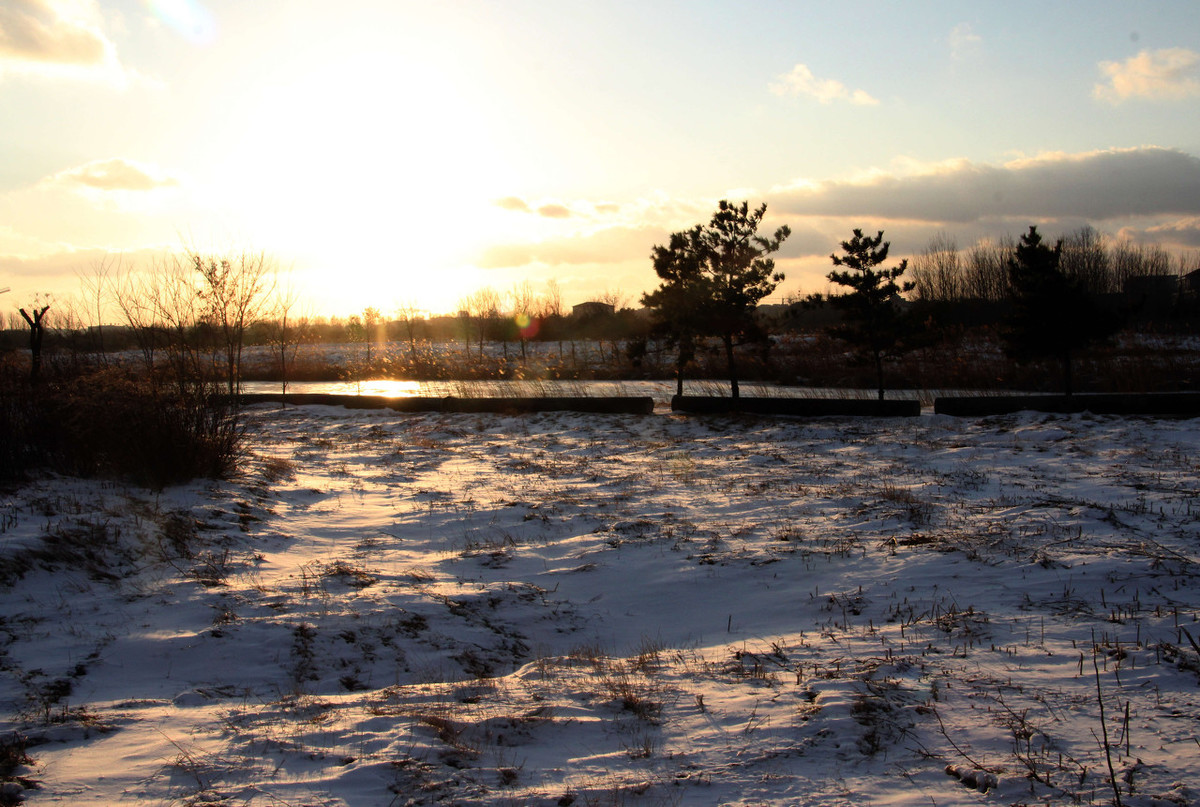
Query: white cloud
x=559 y=210
x=58 y=39
x=963 y=41
x=47 y=31
x=113 y=175
x=1184 y=231
x=801 y=81
x=1169 y=74
x=610 y=245
x=554 y=211
x=513 y=203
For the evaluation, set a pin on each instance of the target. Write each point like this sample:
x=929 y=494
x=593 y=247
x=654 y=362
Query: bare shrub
x=108 y=423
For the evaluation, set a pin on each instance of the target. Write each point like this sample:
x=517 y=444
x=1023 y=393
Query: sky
x=390 y=153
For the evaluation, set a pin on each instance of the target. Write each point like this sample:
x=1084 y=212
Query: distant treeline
x=943 y=272
x=604 y=325
x=1150 y=288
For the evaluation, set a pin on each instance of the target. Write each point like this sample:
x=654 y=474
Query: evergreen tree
x=681 y=301
x=740 y=273
x=874 y=323
x=1053 y=315
x=713 y=279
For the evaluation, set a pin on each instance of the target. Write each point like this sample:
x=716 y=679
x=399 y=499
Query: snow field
x=566 y=609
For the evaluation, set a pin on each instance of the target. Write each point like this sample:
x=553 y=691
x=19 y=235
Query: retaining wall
x=617 y=405
x=807 y=407
x=1142 y=403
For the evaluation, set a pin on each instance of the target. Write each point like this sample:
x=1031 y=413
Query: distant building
x=1151 y=285
x=593 y=309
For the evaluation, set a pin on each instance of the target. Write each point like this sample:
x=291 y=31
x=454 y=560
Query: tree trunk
x=733 y=380
x=687 y=350
x=879 y=373
x=1066 y=361
x=36 y=332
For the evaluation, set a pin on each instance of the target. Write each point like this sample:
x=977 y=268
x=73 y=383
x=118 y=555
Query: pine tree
x=874 y=322
x=713 y=279
x=681 y=301
x=740 y=273
x=1053 y=316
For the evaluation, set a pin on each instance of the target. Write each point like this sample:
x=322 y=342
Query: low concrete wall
x=616 y=405
x=807 y=407
x=1142 y=403
x=631 y=405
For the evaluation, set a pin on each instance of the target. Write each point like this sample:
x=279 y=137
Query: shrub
x=108 y=423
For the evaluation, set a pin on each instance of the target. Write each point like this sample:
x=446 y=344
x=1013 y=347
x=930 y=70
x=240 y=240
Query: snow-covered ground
x=612 y=610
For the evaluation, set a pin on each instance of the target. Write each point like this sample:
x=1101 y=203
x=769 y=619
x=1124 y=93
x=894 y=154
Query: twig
x=961 y=752
x=1195 y=646
x=1112 y=775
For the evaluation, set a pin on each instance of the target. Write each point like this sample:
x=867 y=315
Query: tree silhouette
x=714 y=275
x=874 y=322
x=740 y=273
x=682 y=300
x=1053 y=315
x=37 y=331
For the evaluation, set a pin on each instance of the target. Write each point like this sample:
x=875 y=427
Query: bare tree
x=370 y=321
x=410 y=315
x=986 y=276
x=137 y=295
x=615 y=299
x=234 y=290
x=525 y=314
x=1186 y=263
x=287 y=328
x=552 y=311
x=1085 y=259
x=937 y=272
x=197 y=309
x=37 y=332
x=1132 y=260
x=71 y=330
x=484 y=309
x=465 y=319
x=551 y=301
x=96 y=286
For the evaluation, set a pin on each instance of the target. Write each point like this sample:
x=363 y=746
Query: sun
x=380 y=198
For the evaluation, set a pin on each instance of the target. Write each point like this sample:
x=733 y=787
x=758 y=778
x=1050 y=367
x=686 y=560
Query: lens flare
x=527 y=325
x=189 y=18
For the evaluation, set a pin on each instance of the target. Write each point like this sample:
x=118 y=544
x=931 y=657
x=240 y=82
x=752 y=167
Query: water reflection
x=660 y=391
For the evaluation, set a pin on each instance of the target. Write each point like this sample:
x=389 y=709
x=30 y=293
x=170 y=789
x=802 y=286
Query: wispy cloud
x=964 y=42
x=554 y=211
x=513 y=203
x=1169 y=74
x=113 y=175
x=549 y=210
x=607 y=246
x=1184 y=231
x=801 y=81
